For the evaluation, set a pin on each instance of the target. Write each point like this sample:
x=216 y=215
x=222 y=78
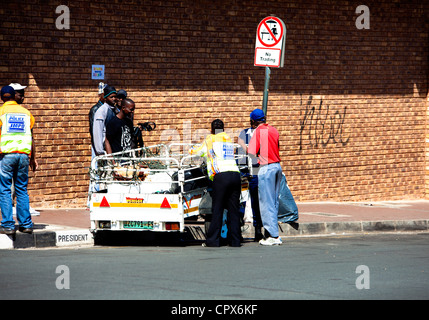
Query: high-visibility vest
x=219 y=150
x=16 y=123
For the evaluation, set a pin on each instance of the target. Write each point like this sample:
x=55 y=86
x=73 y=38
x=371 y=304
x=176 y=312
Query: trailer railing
x=159 y=163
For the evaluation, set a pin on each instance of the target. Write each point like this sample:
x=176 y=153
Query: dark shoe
x=235 y=245
x=205 y=244
x=8 y=231
x=26 y=230
x=258 y=234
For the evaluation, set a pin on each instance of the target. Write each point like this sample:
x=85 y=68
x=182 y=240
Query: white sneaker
x=271 y=241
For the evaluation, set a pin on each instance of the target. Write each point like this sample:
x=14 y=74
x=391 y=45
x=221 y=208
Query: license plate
x=138 y=225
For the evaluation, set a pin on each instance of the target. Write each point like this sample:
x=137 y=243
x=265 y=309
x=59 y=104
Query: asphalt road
x=383 y=266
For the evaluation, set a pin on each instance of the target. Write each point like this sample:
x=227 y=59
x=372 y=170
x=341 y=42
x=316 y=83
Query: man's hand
x=33 y=164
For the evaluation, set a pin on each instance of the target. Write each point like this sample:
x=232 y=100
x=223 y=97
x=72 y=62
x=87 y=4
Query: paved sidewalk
x=68 y=227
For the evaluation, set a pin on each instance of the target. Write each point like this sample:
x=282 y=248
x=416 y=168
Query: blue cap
x=7 y=92
x=257 y=115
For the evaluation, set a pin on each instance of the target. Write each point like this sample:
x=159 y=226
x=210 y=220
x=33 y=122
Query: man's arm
x=108 y=147
x=254 y=144
x=242 y=144
x=200 y=150
x=98 y=136
x=33 y=162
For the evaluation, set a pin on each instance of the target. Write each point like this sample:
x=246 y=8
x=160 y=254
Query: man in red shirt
x=265 y=146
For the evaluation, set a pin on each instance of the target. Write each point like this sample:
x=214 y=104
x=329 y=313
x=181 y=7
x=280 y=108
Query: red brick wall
x=427 y=149
x=350 y=104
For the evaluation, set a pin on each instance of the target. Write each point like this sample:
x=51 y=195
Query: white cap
x=101 y=87
x=17 y=86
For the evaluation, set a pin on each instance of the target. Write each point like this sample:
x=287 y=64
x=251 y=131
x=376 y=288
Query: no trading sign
x=270 y=43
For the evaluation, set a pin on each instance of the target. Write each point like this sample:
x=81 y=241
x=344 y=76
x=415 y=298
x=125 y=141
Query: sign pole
x=266 y=90
x=269 y=50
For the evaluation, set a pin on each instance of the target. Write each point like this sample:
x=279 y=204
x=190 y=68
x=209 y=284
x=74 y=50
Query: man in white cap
x=16 y=155
x=92 y=112
x=19 y=98
x=101 y=118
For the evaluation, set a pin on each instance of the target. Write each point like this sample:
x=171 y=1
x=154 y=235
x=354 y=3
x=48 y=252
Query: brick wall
x=427 y=150
x=350 y=104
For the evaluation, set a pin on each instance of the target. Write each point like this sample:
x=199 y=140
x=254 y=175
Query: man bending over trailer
x=223 y=171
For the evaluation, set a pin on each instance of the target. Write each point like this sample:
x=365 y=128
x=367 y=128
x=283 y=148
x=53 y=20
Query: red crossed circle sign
x=276 y=37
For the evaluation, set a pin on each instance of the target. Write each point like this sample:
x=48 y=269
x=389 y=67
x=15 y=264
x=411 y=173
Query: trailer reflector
x=104 y=203
x=172 y=226
x=165 y=204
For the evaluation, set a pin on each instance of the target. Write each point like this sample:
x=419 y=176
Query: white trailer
x=148 y=189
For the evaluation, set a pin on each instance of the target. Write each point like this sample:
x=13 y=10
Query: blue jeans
x=269 y=178
x=288 y=210
x=14 y=165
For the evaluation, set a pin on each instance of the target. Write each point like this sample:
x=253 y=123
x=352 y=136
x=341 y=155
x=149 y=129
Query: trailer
x=153 y=188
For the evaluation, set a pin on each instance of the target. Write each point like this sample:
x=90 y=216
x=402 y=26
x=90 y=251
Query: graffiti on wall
x=320 y=126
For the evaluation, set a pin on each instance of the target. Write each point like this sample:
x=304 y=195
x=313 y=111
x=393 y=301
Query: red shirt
x=265 y=144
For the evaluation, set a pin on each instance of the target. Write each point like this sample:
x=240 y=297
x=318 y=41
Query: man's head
x=257 y=117
x=127 y=107
x=7 y=93
x=19 y=92
x=217 y=126
x=110 y=95
x=121 y=95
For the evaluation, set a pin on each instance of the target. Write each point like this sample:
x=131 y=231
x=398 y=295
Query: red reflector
x=172 y=226
x=104 y=203
x=165 y=204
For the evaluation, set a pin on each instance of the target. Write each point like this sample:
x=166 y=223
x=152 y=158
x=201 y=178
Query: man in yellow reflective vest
x=223 y=171
x=16 y=155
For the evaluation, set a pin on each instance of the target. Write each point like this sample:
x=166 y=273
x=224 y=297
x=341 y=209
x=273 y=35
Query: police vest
x=219 y=151
x=15 y=133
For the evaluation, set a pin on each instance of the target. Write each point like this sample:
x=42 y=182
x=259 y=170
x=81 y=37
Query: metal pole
x=267 y=84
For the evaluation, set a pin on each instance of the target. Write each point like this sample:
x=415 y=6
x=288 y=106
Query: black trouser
x=225 y=195
x=254 y=199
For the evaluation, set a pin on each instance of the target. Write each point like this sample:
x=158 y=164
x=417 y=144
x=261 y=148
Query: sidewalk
x=70 y=227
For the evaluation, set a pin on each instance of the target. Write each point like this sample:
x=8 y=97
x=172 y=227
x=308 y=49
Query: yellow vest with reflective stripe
x=16 y=123
x=219 y=150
